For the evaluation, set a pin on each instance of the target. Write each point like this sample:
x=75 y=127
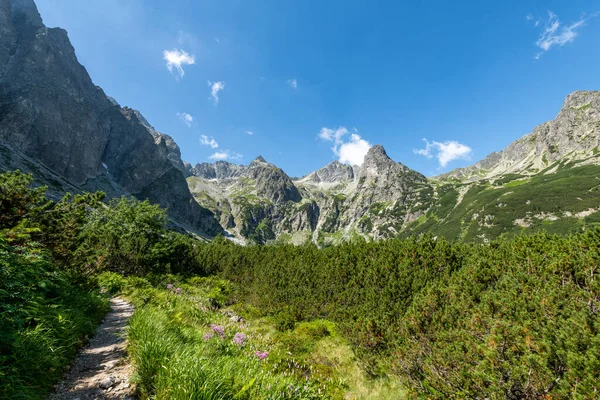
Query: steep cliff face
x=574 y=135
x=52 y=113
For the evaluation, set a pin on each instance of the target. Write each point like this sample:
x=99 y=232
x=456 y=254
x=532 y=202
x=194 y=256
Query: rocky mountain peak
x=376 y=159
x=260 y=159
x=336 y=172
x=377 y=154
x=580 y=99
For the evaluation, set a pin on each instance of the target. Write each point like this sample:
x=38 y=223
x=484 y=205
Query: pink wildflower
x=208 y=336
x=218 y=329
x=262 y=355
x=170 y=286
x=239 y=338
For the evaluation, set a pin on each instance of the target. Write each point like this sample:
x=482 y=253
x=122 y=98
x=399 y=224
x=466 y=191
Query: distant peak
x=377 y=155
x=260 y=159
x=377 y=150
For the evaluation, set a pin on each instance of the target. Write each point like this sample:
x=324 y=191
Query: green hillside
x=562 y=202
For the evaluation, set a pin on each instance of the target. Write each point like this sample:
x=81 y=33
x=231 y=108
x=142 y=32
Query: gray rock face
x=272 y=183
x=52 y=112
x=160 y=139
x=336 y=172
x=373 y=201
x=574 y=135
x=218 y=170
x=7 y=36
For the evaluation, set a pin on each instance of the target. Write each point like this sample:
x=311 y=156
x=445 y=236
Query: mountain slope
x=54 y=116
x=572 y=136
x=548 y=179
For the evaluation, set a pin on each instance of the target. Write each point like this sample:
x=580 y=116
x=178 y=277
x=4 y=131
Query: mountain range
x=59 y=126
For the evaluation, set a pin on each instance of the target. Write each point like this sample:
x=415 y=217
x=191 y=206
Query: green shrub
x=111 y=282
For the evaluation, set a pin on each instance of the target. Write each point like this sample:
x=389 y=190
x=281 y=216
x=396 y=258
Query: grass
x=44 y=318
x=178 y=353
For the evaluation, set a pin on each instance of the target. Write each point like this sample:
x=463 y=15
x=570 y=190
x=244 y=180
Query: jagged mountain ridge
x=385 y=199
x=337 y=200
x=53 y=118
x=571 y=136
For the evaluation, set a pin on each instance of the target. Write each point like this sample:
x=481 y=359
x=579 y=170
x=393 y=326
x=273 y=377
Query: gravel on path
x=102 y=370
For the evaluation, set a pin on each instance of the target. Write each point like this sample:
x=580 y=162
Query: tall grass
x=183 y=346
x=44 y=319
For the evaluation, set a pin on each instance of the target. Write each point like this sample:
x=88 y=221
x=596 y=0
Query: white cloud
x=556 y=34
x=225 y=155
x=206 y=141
x=176 y=59
x=186 y=118
x=293 y=83
x=215 y=88
x=250 y=133
x=529 y=17
x=445 y=152
x=333 y=135
x=352 y=151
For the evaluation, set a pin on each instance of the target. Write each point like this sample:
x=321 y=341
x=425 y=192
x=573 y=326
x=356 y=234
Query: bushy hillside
x=564 y=201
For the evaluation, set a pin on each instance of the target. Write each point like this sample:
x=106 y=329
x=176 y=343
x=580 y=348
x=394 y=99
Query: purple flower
x=208 y=336
x=218 y=329
x=239 y=338
x=170 y=286
x=178 y=290
x=262 y=355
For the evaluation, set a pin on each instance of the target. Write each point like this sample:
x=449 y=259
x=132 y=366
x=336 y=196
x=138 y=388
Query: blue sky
x=315 y=81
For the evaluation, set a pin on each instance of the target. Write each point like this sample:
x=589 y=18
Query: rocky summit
x=59 y=126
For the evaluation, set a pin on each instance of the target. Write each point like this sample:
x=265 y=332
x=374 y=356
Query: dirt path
x=101 y=370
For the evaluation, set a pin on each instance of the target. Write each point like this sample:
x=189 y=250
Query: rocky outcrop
x=336 y=172
x=51 y=112
x=272 y=183
x=173 y=152
x=574 y=135
x=218 y=170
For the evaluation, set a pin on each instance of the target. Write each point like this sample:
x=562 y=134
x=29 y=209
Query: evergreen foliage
x=515 y=318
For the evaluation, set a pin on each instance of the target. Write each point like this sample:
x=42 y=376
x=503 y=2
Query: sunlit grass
x=182 y=346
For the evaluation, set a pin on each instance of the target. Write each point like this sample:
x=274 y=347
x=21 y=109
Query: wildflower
x=178 y=290
x=262 y=355
x=169 y=286
x=218 y=329
x=239 y=338
x=208 y=336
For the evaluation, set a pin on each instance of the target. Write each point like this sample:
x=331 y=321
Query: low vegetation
x=421 y=317
x=545 y=203
x=46 y=311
